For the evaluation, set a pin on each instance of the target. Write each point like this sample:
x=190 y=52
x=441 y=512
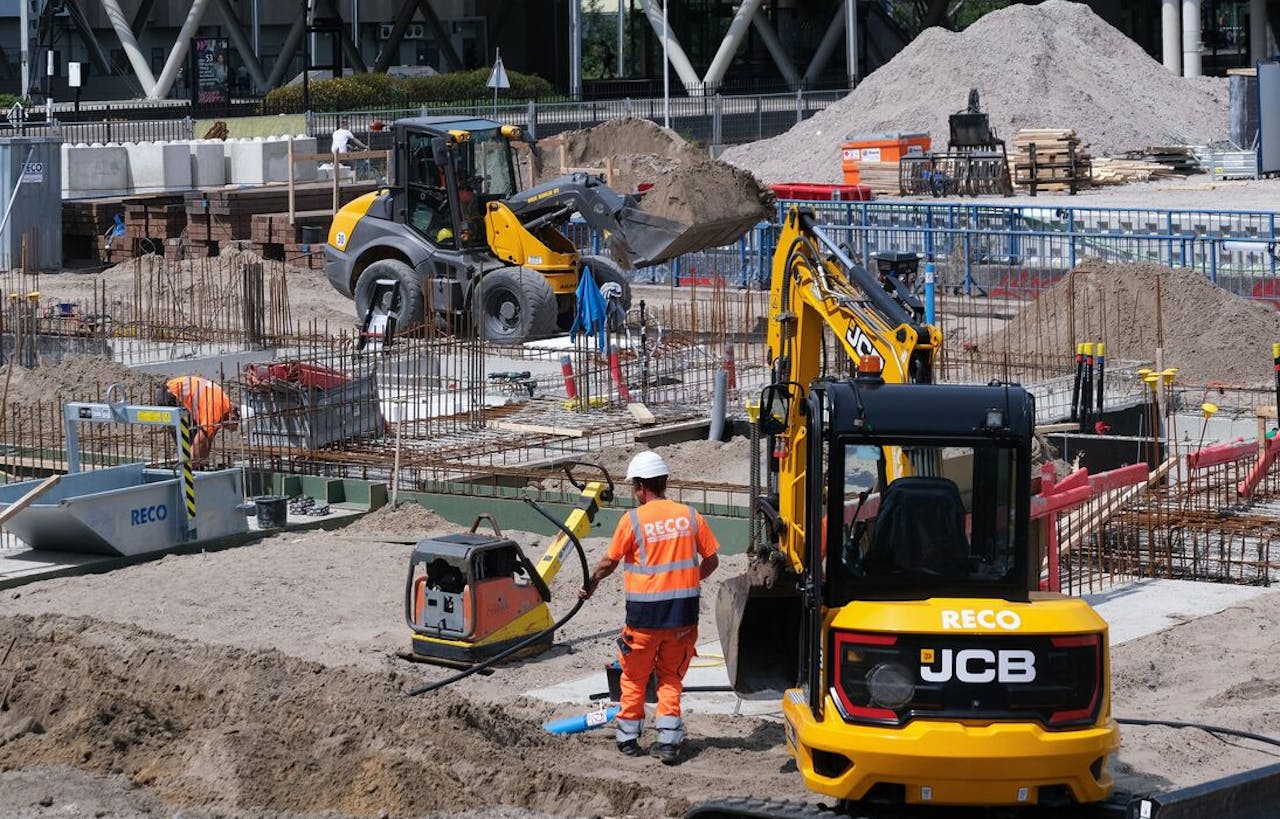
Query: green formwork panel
x=325 y=490
x=288 y=485
x=364 y=494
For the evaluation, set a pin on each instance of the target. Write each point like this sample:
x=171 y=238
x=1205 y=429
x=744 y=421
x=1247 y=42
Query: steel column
x=391 y=48
x=96 y=55
x=349 y=47
x=1171 y=35
x=675 y=54
x=242 y=45
x=179 y=53
x=141 y=69
x=141 y=17
x=774 y=46
x=851 y=40
x=289 y=48
x=827 y=47
x=1191 y=38
x=738 y=27
x=575 y=49
x=441 y=36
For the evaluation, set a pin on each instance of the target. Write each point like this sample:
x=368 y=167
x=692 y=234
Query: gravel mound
x=1053 y=65
x=1209 y=333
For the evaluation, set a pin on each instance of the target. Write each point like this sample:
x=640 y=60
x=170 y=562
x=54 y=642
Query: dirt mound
x=706 y=190
x=409 y=519
x=686 y=186
x=1052 y=65
x=1209 y=333
x=233 y=729
x=690 y=461
x=75 y=378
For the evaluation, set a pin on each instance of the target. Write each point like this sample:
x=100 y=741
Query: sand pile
x=690 y=461
x=76 y=378
x=1052 y=65
x=1209 y=333
x=408 y=519
x=686 y=186
x=237 y=729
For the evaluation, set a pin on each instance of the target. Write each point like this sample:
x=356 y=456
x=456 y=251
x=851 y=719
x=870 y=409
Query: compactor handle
x=581 y=486
x=493 y=522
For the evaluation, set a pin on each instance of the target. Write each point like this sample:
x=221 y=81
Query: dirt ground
x=259 y=681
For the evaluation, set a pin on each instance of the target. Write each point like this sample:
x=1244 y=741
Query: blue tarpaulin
x=589 y=316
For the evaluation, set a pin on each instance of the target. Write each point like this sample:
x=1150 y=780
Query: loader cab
x=956 y=523
x=451 y=169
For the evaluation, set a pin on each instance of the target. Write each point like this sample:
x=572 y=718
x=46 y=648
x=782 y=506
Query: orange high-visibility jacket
x=661 y=545
x=208 y=404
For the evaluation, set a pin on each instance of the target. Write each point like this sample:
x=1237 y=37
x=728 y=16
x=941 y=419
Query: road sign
x=498 y=77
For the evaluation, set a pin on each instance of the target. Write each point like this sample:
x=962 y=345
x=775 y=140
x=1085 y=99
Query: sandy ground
x=259 y=682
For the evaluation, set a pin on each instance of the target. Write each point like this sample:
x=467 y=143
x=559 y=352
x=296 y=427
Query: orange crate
x=879 y=148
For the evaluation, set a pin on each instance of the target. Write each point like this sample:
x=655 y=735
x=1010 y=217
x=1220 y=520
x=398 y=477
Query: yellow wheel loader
x=452 y=242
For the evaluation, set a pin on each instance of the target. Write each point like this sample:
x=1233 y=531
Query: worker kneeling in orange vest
x=666 y=550
x=209 y=407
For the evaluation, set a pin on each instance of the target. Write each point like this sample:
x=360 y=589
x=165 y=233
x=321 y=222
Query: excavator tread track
x=746 y=807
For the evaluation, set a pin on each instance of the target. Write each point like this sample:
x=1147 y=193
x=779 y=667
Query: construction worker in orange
x=666 y=550
x=210 y=408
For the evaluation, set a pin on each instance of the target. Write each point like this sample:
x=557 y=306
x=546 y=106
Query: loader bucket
x=653 y=239
x=759 y=636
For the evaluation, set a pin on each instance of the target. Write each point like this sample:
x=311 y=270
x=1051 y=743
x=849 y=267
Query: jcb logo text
x=978 y=665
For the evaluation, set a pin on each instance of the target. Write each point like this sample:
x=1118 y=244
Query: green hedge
x=368 y=91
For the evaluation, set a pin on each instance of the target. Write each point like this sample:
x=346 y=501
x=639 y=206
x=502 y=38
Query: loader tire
x=516 y=304
x=410 y=318
x=609 y=275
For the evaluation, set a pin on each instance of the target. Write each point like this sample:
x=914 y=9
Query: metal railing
x=713 y=119
x=154 y=130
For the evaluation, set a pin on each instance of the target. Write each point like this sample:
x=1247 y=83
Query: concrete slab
x=707 y=669
x=1145 y=607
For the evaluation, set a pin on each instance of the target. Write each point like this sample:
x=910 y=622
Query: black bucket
x=312 y=234
x=613 y=673
x=273 y=511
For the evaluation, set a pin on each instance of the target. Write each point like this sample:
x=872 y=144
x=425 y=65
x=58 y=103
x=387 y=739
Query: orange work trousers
x=642 y=651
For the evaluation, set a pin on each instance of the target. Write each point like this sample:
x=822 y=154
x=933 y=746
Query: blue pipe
x=582 y=722
x=930 y=288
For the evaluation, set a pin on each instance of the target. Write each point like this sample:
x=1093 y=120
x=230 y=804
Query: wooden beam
x=641 y=413
x=27 y=499
x=536 y=429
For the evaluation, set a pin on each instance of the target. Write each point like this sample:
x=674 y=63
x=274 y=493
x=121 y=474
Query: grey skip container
x=126 y=510
x=289 y=415
x=36 y=163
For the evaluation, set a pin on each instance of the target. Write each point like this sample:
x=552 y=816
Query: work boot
x=630 y=748
x=668 y=754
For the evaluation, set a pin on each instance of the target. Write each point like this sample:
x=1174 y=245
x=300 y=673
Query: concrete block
x=155 y=167
x=246 y=163
x=305 y=171
x=208 y=163
x=94 y=170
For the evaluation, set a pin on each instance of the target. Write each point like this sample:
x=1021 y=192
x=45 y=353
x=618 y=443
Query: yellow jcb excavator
x=893 y=605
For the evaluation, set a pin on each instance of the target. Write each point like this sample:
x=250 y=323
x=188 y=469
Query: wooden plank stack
x=1049 y=159
x=882 y=177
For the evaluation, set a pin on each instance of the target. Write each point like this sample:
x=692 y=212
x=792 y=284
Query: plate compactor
x=472 y=595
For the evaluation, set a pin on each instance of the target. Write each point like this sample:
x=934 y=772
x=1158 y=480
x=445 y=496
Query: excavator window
x=925 y=529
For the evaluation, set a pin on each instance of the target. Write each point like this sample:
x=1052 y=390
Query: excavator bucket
x=653 y=239
x=760 y=637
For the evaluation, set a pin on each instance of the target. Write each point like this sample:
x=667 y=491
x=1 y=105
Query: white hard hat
x=647 y=464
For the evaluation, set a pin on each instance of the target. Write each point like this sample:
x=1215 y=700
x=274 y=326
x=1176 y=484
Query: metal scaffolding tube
x=575 y=49
x=178 y=55
x=141 y=69
x=738 y=28
x=827 y=47
x=290 y=47
x=774 y=46
x=242 y=45
x=675 y=54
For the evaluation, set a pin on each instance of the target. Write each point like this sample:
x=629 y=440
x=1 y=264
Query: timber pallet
x=1050 y=159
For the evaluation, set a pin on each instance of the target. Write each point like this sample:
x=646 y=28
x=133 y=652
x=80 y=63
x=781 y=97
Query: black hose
x=528 y=641
x=1212 y=729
